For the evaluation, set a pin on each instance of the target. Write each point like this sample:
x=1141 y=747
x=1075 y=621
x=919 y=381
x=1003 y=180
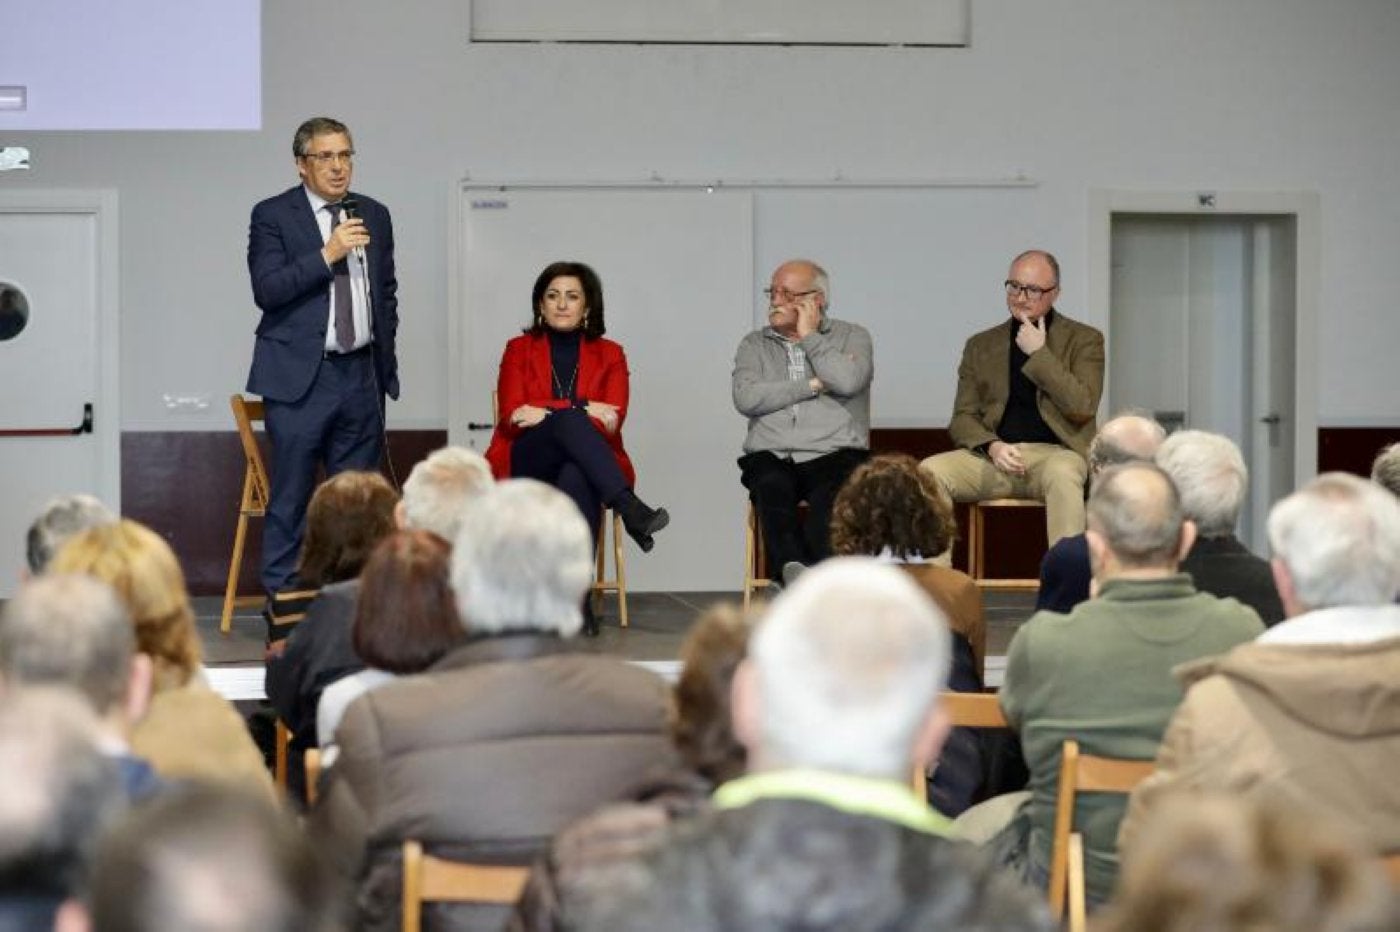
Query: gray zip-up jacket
x=785 y=417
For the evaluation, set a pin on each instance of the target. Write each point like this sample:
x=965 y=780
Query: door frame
x=1303 y=206
x=102 y=205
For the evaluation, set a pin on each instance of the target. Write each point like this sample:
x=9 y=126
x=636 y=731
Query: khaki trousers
x=1054 y=475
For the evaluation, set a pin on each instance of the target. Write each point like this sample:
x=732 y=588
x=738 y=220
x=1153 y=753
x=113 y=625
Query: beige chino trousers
x=1054 y=475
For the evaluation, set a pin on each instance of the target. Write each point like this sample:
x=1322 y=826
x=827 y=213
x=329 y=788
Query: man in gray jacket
x=803 y=382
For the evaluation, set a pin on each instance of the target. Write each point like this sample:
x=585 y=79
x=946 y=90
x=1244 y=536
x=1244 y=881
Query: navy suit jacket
x=291 y=285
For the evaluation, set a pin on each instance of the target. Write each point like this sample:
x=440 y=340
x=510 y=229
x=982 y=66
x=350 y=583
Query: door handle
x=1271 y=419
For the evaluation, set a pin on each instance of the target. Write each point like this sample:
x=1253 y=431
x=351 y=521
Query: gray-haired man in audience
x=59 y=792
x=1102 y=673
x=1211 y=476
x=1310 y=712
x=62 y=518
x=837 y=704
x=509 y=737
x=1065 y=572
x=72 y=631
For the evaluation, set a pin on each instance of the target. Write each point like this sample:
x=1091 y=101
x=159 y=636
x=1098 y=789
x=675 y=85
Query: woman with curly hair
x=189 y=730
x=891 y=510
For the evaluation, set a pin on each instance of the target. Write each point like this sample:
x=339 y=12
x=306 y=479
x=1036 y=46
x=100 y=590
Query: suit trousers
x=566 y=451
x=338 y=423
x=776 y=486
x=1054 y=475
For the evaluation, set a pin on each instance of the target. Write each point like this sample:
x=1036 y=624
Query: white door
x=59 y=429
x=1202 y=321
x=677 y=272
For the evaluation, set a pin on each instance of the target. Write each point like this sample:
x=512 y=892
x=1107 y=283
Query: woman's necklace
x=559 y=387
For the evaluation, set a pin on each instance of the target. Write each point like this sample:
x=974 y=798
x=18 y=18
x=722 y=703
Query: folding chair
x=977 y=543
x=256 y=491
x=967 y=710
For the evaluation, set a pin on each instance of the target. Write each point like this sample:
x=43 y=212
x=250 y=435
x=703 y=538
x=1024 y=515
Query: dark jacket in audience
x=318 y=652
x=485 y=757
x=790 y=863
x=1224 y=567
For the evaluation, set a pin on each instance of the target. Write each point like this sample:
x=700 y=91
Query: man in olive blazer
x=1028 y=390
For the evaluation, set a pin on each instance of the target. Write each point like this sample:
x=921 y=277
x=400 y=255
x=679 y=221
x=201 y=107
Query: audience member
x=581 y=860
x=891 y=510
x=349 y=515
x=405 y=621
x=1065 y=570
x=1028 y=391
x=70 y=630
x=509 y=737
x=1102 y=673
x=803 y=382
x=1213 y=480
x=59 y=791
x=1385 y=471
x=1224 y=864
x=440 y=488
x=189 y=730
x=61 y=519
x=1309 y=712
x=206 y=858
x=837 y=704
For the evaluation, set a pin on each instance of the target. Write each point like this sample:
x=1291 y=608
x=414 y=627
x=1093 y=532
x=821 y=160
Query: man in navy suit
x=321 y=260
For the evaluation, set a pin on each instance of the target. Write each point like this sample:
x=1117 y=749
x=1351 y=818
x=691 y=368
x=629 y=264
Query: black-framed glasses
x=1034 y=292
x=782 y=294
x=328 y=158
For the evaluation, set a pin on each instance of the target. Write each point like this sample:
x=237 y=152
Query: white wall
x=1191 y=94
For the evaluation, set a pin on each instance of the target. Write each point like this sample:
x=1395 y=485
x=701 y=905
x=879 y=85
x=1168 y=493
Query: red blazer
x=525 y=379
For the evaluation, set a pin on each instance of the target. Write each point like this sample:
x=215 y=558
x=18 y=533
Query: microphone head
x=350 y=207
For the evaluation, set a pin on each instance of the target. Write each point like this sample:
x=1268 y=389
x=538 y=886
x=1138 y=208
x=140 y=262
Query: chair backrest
x=432 y=879
x=245 y=413
x=967 y=710
x=1078 y=913
x=281 y=742
x=1392 y=867
x=1084 y=773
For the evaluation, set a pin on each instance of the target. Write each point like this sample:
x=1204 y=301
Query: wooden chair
x=977 y=543
x=256 y=491
x=1392 y=867
x=967 y=710
x=1083 y=773
x=602 y=583
x=1078 y=912
x=313 y=773
x=430 y=879
x=281 y=742
x=755 y=558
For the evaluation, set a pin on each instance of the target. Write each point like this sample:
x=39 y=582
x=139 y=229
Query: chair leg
x=235 y=569
x=620 y=565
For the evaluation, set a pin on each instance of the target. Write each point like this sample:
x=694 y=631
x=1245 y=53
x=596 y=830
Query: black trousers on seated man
x=776 y=485
x=566 y=451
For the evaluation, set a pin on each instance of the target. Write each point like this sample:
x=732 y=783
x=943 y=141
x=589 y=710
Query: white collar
x=1346 y=624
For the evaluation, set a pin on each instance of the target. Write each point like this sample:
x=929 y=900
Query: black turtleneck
x=563 y=362
x=1021 y=422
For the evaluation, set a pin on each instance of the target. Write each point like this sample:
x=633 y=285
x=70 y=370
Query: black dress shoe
x=590 y=620
x=641 y=520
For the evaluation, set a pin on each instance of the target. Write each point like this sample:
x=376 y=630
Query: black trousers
x=776 y=486
x=566 y=451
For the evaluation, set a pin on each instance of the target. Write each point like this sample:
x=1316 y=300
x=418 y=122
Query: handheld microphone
x=350 y=209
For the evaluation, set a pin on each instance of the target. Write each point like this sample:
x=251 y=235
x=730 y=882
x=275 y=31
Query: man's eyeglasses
x=327 y=158
x=782 y=294
x=1034 y=292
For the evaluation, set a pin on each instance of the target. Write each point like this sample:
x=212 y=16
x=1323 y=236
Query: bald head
x=1127 y=438
x=1135 y=516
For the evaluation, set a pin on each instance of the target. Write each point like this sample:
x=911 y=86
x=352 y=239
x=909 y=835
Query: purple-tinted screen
x=133 y=64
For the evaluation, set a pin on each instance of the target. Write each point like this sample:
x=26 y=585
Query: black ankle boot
x=590 y=620
x=640 y=520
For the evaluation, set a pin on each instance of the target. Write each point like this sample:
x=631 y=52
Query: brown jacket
x=485 y=757
x=957 y=594
x=1317 y=724
x=191 y=732
x=1067 y=372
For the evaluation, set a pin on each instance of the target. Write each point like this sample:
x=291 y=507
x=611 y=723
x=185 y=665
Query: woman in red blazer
x=561 y=399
